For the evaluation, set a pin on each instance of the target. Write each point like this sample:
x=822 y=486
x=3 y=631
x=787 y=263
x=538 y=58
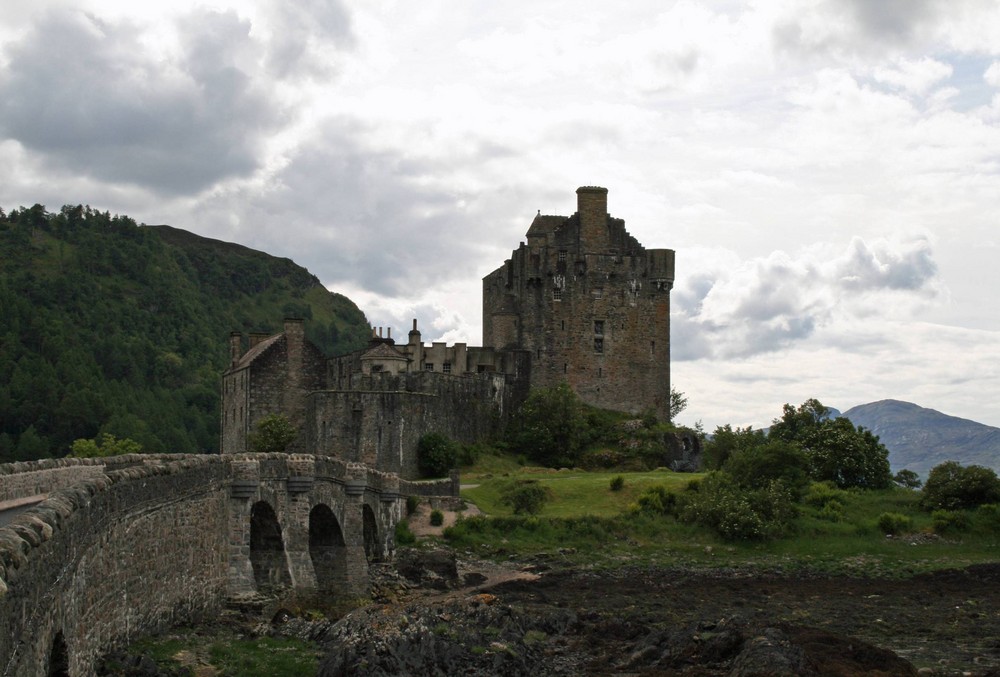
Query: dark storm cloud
x=88 y=98
x=856 y=26
x=298 y=28
x=768 y=304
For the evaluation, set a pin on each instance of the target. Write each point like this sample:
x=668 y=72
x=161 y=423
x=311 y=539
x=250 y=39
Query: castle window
x=598 y=345
x=652 y=347
x=600 y=372
x=562 y=255
x=598 y=292
x=599 y=327
x=376 y=368
x=557 y=294
x=562 y=324
x=446 y=367
x=565 y=367
x=428 y=366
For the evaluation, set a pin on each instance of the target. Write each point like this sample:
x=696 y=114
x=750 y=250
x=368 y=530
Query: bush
x=525 y=496
x=403 y=534
x=756 y=467
x=437 y=518
x=550 y=427
x=949 y=521
x=988 y=516
x=739 y=514
x=272 y=434
x=657 y=500
x=893 y=523
x=436 y=455
x=953 y=487
x=824 y=495
x=907 y=479
x=617 y=483
x=411 y=505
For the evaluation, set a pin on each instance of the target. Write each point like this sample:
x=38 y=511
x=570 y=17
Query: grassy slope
x=591 y=525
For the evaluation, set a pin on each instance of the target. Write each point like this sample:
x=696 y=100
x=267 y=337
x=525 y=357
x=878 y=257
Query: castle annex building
x=581 y=302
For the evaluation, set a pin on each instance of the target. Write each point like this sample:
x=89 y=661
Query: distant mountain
x=109 y=326
x=919 y=439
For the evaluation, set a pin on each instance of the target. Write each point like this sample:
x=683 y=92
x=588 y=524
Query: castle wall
x=33 y=478
x=590 y=305
x=381 y=418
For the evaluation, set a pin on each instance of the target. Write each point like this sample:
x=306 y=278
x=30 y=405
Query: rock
x=435 y=568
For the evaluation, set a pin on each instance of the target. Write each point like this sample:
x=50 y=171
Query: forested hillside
x=107 y=326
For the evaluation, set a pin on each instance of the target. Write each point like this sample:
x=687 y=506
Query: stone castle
x=580 y=302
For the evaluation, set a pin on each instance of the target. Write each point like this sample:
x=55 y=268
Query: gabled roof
x=255 y=352
x=383 y=351
x=544 y=223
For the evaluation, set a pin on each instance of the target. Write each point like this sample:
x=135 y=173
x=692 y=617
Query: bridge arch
x=58 y=657
x=327 y=549
x=267 y=548
x=373 y=548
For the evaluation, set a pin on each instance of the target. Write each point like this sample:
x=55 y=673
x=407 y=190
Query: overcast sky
x=827 y=171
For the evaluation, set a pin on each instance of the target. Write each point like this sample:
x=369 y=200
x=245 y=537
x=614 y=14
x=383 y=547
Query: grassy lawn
x=585 y=523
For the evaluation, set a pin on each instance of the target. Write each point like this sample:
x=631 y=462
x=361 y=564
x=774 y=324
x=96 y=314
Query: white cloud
x=914 y=76
x=992 y=74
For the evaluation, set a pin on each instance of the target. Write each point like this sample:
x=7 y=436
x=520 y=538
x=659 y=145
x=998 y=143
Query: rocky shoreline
x=435 y=614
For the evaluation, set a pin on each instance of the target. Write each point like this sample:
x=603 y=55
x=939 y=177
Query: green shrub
x=411 y=505
x=894 y=523
x=437 y=518
x=831 y=512
x=988 y=516
x=272 y=434
x=525 y=496
x=436 y=455
x=617 y=483
x=739 y=514
x=949 y=521
x=403 y=534
x=657 y=500
x=952 y=487
x=825 y=494
x=756 y=467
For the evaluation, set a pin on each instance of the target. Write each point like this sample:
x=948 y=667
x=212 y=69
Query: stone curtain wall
x=111 y=558
x=380 y=421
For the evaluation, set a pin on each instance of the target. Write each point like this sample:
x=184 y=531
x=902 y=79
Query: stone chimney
x=592 y=206
x=235 y=347
x=256 y=337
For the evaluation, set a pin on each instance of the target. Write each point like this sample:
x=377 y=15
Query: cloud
x=735 y=309
x=91 y=97
x=302 y=34
x=914 y=75
x=992 y=74
x=379 y=220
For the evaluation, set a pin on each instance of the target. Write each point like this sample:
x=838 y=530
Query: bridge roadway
x=118 y=548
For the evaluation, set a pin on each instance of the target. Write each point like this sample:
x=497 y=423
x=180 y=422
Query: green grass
x=574 y=492
x=587 y=524
x=276 y=657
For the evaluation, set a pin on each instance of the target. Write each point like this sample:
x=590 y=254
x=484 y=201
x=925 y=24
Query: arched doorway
x=58 y=657
x=373 y=550
x=326 y=548
x=267 y=549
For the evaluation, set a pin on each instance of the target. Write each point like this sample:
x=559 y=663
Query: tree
x=953 y=487
x=104 y=444
x=907 y=478
x=726 y=441
x=838 y=451
x=678 y=403
x=272 y=434
x=756 y=467
x=436 y=455
x=551 y=427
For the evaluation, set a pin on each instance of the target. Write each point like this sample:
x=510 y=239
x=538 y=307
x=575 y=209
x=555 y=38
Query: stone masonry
x=582 y=302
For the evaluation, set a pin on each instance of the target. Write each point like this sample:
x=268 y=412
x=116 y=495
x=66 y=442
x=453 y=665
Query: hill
x=919 y=439
x=109 y=326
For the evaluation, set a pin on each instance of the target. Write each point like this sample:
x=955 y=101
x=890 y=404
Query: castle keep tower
x=590 y=304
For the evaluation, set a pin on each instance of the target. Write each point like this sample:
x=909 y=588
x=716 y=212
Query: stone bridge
x=120 y=547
